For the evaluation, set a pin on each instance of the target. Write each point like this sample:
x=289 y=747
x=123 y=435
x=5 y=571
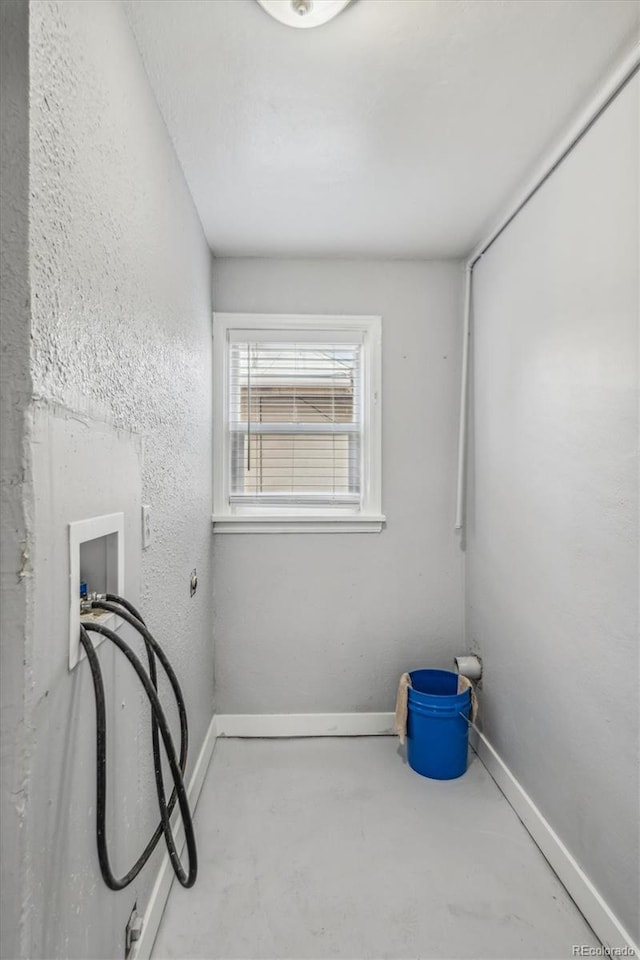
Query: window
x=296 y=423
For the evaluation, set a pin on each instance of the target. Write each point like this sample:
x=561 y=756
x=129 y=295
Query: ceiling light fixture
x=303 y=13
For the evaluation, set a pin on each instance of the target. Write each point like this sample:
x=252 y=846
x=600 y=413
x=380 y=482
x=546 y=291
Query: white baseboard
x=593 y=907
x=304 y=724
x=141 y=949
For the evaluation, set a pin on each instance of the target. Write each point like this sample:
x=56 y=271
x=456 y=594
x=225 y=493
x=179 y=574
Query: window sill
x=298 y=524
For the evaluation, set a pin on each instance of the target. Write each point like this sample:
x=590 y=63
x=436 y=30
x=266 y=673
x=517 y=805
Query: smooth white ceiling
x=400 y=129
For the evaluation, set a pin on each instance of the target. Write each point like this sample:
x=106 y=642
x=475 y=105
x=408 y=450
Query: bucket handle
x=471 y=723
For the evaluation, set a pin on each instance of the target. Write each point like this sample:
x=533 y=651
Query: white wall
x=121 y=414
x=327 y=622
x=553 y=503
x=15 y=392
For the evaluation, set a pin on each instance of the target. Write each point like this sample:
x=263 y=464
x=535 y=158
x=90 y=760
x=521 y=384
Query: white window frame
x=364 y=517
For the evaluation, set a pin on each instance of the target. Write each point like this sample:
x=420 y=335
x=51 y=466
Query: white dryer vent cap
x=303 y=13
x=469 y=666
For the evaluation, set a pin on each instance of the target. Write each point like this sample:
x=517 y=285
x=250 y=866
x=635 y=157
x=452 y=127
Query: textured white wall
x=553 y=508
x=121 y=353
x=15 y=393
x=327 y=622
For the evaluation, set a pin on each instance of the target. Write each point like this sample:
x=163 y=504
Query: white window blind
x=297 y=427
x=295 y=418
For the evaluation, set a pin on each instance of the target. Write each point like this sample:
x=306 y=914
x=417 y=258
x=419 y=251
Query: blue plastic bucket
x=437 y=728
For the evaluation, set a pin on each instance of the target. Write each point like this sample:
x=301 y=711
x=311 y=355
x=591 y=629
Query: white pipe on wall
x=464 y=401
x=610 y=89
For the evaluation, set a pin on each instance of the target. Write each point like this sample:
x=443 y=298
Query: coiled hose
x=159 y=728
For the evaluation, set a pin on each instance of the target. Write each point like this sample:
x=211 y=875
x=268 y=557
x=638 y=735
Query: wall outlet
x=132 y=931
x=146 y=527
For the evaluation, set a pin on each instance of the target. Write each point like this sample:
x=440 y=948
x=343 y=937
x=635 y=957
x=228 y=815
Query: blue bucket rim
x=450 y=673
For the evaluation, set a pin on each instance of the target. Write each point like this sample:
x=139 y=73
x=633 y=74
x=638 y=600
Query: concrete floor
x=320 y=848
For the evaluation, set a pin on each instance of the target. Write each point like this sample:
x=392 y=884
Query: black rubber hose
x=155 y=739
x=112 y=604
x=186 y=879
x=101 y=780
x=114 y=598
x=151 y=644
